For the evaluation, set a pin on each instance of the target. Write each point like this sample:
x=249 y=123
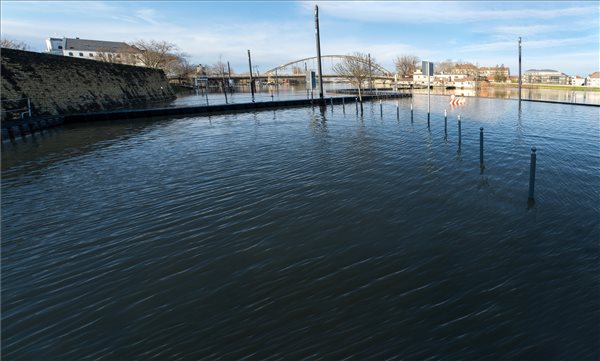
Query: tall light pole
x=520 y=82
x=370 y=74
x=251 y=80
x=319 y=54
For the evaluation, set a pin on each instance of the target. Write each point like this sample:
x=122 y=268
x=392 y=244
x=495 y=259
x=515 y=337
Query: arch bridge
x=378 y=71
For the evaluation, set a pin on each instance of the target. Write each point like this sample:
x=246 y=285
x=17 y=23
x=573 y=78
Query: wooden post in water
x=481 y=148
x=459 y=131
x=532 y=173
x=411 y=112
x=445 y=122
x=397 y=110
x=380 y=108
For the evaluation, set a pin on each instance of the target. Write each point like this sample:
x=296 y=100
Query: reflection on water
x=287 y=92
x=301 y=233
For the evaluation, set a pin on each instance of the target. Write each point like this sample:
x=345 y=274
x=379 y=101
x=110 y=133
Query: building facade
x=593 y=79
x=109 y=51
x=546 y=76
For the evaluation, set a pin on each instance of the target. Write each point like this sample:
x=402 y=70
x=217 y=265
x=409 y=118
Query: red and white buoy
x=457 y=101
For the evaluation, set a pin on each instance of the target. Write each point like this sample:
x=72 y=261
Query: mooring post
x=397 y=109
x=356 y=103
x=344 y=105
x=481 y=147
x=445 y=122
x=331 y=102
x=411 y=112
x=29 y=106
x=380 y=108
x=459 y=131
x=532 y=173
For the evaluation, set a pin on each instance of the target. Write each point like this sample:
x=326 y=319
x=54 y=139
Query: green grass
x=546 y=86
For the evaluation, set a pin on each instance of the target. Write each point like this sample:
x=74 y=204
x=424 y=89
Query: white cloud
x=439 y=12
x=530 y=44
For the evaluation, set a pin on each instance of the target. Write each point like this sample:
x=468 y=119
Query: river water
x=286 y=92
x=299 y=234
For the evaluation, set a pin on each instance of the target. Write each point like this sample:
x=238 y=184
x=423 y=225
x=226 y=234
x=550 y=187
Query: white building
x=545 y=76
x=577 y=80
x=110 y=51
x=593 y=80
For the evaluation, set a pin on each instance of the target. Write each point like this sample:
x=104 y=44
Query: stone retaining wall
x=58 y=84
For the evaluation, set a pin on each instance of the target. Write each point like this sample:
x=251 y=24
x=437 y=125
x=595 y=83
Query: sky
x=557 y=35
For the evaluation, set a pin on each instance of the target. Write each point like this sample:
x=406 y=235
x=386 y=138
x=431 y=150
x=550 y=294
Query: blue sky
x=556 y=35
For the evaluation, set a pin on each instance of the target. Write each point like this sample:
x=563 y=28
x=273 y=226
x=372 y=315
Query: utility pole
x=229 y=78
x=370 y=74
x=251 y=80
x=319 y=54
x=520 y=82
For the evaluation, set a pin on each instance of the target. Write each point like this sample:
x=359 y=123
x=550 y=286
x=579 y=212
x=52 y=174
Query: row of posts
x=481 y=161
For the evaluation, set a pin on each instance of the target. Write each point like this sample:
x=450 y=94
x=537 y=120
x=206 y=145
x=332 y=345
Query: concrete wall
x=66 y=85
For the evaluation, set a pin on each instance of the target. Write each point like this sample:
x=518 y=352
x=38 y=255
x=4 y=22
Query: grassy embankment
x=545 y=86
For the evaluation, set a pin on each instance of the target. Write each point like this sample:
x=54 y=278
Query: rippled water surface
x=299 y=234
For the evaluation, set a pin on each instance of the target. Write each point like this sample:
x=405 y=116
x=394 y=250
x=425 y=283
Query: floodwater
x=298 y=234
x=287 y=92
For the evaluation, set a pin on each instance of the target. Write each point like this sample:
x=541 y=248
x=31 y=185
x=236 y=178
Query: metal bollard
x=481 y=147
x=532 y=173
x=459 y=131
x=445 y=122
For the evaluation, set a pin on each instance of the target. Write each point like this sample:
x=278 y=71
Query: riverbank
x=545 y=86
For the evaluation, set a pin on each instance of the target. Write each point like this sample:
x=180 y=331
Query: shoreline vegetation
x=544 y=86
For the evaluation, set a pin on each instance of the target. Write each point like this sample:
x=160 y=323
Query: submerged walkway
x=14 y=128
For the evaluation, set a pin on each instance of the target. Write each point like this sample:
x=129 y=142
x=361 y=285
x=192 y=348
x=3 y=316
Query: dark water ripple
x=294 y=234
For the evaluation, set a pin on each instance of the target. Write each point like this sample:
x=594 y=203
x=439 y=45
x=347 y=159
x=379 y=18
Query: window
x=70 y=53
x=80 y=54
x=91 y=55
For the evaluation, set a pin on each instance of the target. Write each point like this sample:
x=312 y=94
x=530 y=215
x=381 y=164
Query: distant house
x=109 y=51
x=492 y=73
x=577 y=80
x=545 y=76
x=593 y=80
x=466 y=82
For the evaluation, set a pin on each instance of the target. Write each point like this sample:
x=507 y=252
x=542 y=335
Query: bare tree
x=14 y=44
x=182 y=69
x=357 y=69
x=158 y=54
x=406 y=64
x=444 y=66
